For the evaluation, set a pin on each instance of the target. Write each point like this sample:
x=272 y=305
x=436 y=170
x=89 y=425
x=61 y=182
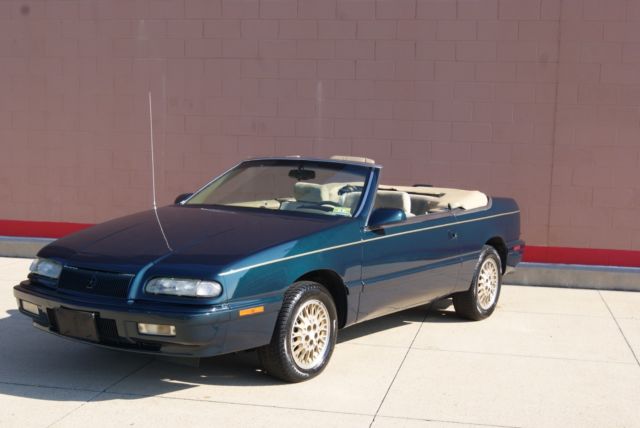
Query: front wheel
x=305 y=334
x=481 y=299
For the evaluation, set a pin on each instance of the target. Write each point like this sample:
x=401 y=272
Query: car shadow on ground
x=439 y=312
x=29 y=357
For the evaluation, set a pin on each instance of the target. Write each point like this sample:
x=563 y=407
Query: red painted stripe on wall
x=39 y=229
x=582 y=256
x=564 y=255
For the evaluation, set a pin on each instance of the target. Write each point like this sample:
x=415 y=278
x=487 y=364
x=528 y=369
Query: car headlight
x=183 y=287
x=45 y=267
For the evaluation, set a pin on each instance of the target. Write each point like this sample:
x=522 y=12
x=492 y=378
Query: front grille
x=108 y=335
x=107 y=330
x=108 y=284
x=51 y=319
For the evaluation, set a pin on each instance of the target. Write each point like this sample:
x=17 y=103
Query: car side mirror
x=382 y=216
x=181 y=198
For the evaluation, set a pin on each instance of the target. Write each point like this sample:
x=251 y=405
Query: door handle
x=453 y=235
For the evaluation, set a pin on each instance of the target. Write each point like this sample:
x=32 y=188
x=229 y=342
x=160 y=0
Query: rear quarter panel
x=501 y=219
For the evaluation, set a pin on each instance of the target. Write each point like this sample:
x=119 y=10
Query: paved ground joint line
x=139 y=395
x=35 y=385
x=61 y=418
x=451 y=422
x=563 y=314
x=501 y=354
x=424 y=318
x=131 y=373
x=620 y=328
x=98 y=393
x=509 y=355
x=237 y=403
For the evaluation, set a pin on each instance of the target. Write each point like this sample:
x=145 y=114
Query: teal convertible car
x=275 y=254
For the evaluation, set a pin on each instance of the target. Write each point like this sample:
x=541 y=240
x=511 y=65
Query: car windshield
x=326 y=188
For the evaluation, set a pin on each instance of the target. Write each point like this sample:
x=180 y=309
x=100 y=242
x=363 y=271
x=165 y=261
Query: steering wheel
x=349 y=188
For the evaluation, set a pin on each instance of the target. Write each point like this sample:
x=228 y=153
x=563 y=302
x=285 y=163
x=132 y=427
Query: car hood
x=181 y=234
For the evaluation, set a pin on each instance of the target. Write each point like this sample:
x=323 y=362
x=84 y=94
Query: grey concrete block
x=576 y=276
x=11 y=246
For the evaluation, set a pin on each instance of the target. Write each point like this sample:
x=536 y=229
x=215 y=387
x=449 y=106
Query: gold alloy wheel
x=487 y=284
x=310 y=332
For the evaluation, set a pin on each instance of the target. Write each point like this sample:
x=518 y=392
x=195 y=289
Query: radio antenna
x=153 y=174
x=153 y=162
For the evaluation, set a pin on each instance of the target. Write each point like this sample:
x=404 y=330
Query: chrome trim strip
x=349 y=244
x=295 y=256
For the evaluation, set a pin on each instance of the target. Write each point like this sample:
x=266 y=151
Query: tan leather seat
x=313 y=193
x=350 y=200
x=420 y=204
x=393 y=199
x=317 y=193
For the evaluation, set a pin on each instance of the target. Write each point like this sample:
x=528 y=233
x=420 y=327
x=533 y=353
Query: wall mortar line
x=555 y=117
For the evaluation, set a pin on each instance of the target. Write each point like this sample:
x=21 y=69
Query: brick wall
x=536 y=99
x=596 y=179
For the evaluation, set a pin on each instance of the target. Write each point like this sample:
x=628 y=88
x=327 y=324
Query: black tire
x=277 y=358
x=467 y=303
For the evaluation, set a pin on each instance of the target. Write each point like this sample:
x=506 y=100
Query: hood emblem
x=92 y=282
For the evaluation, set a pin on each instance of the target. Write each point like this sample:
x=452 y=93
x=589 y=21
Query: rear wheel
x=305 y=334
x=480 y=300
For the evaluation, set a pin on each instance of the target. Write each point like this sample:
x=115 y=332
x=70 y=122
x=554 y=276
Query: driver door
x=407 y=264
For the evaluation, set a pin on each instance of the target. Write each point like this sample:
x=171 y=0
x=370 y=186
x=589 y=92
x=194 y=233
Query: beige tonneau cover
x=444 y=198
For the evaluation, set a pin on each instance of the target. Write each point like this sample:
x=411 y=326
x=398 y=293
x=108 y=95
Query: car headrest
x=350 y=200
x=393 y=199
x=316 y=193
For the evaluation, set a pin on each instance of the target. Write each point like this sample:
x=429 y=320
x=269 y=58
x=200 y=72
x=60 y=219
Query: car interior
x=413 y=200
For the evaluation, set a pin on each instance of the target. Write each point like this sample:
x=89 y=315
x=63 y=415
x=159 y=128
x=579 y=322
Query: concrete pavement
x=547 y=357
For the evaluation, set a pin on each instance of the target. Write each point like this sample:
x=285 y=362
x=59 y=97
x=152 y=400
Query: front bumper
x=200 y=332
